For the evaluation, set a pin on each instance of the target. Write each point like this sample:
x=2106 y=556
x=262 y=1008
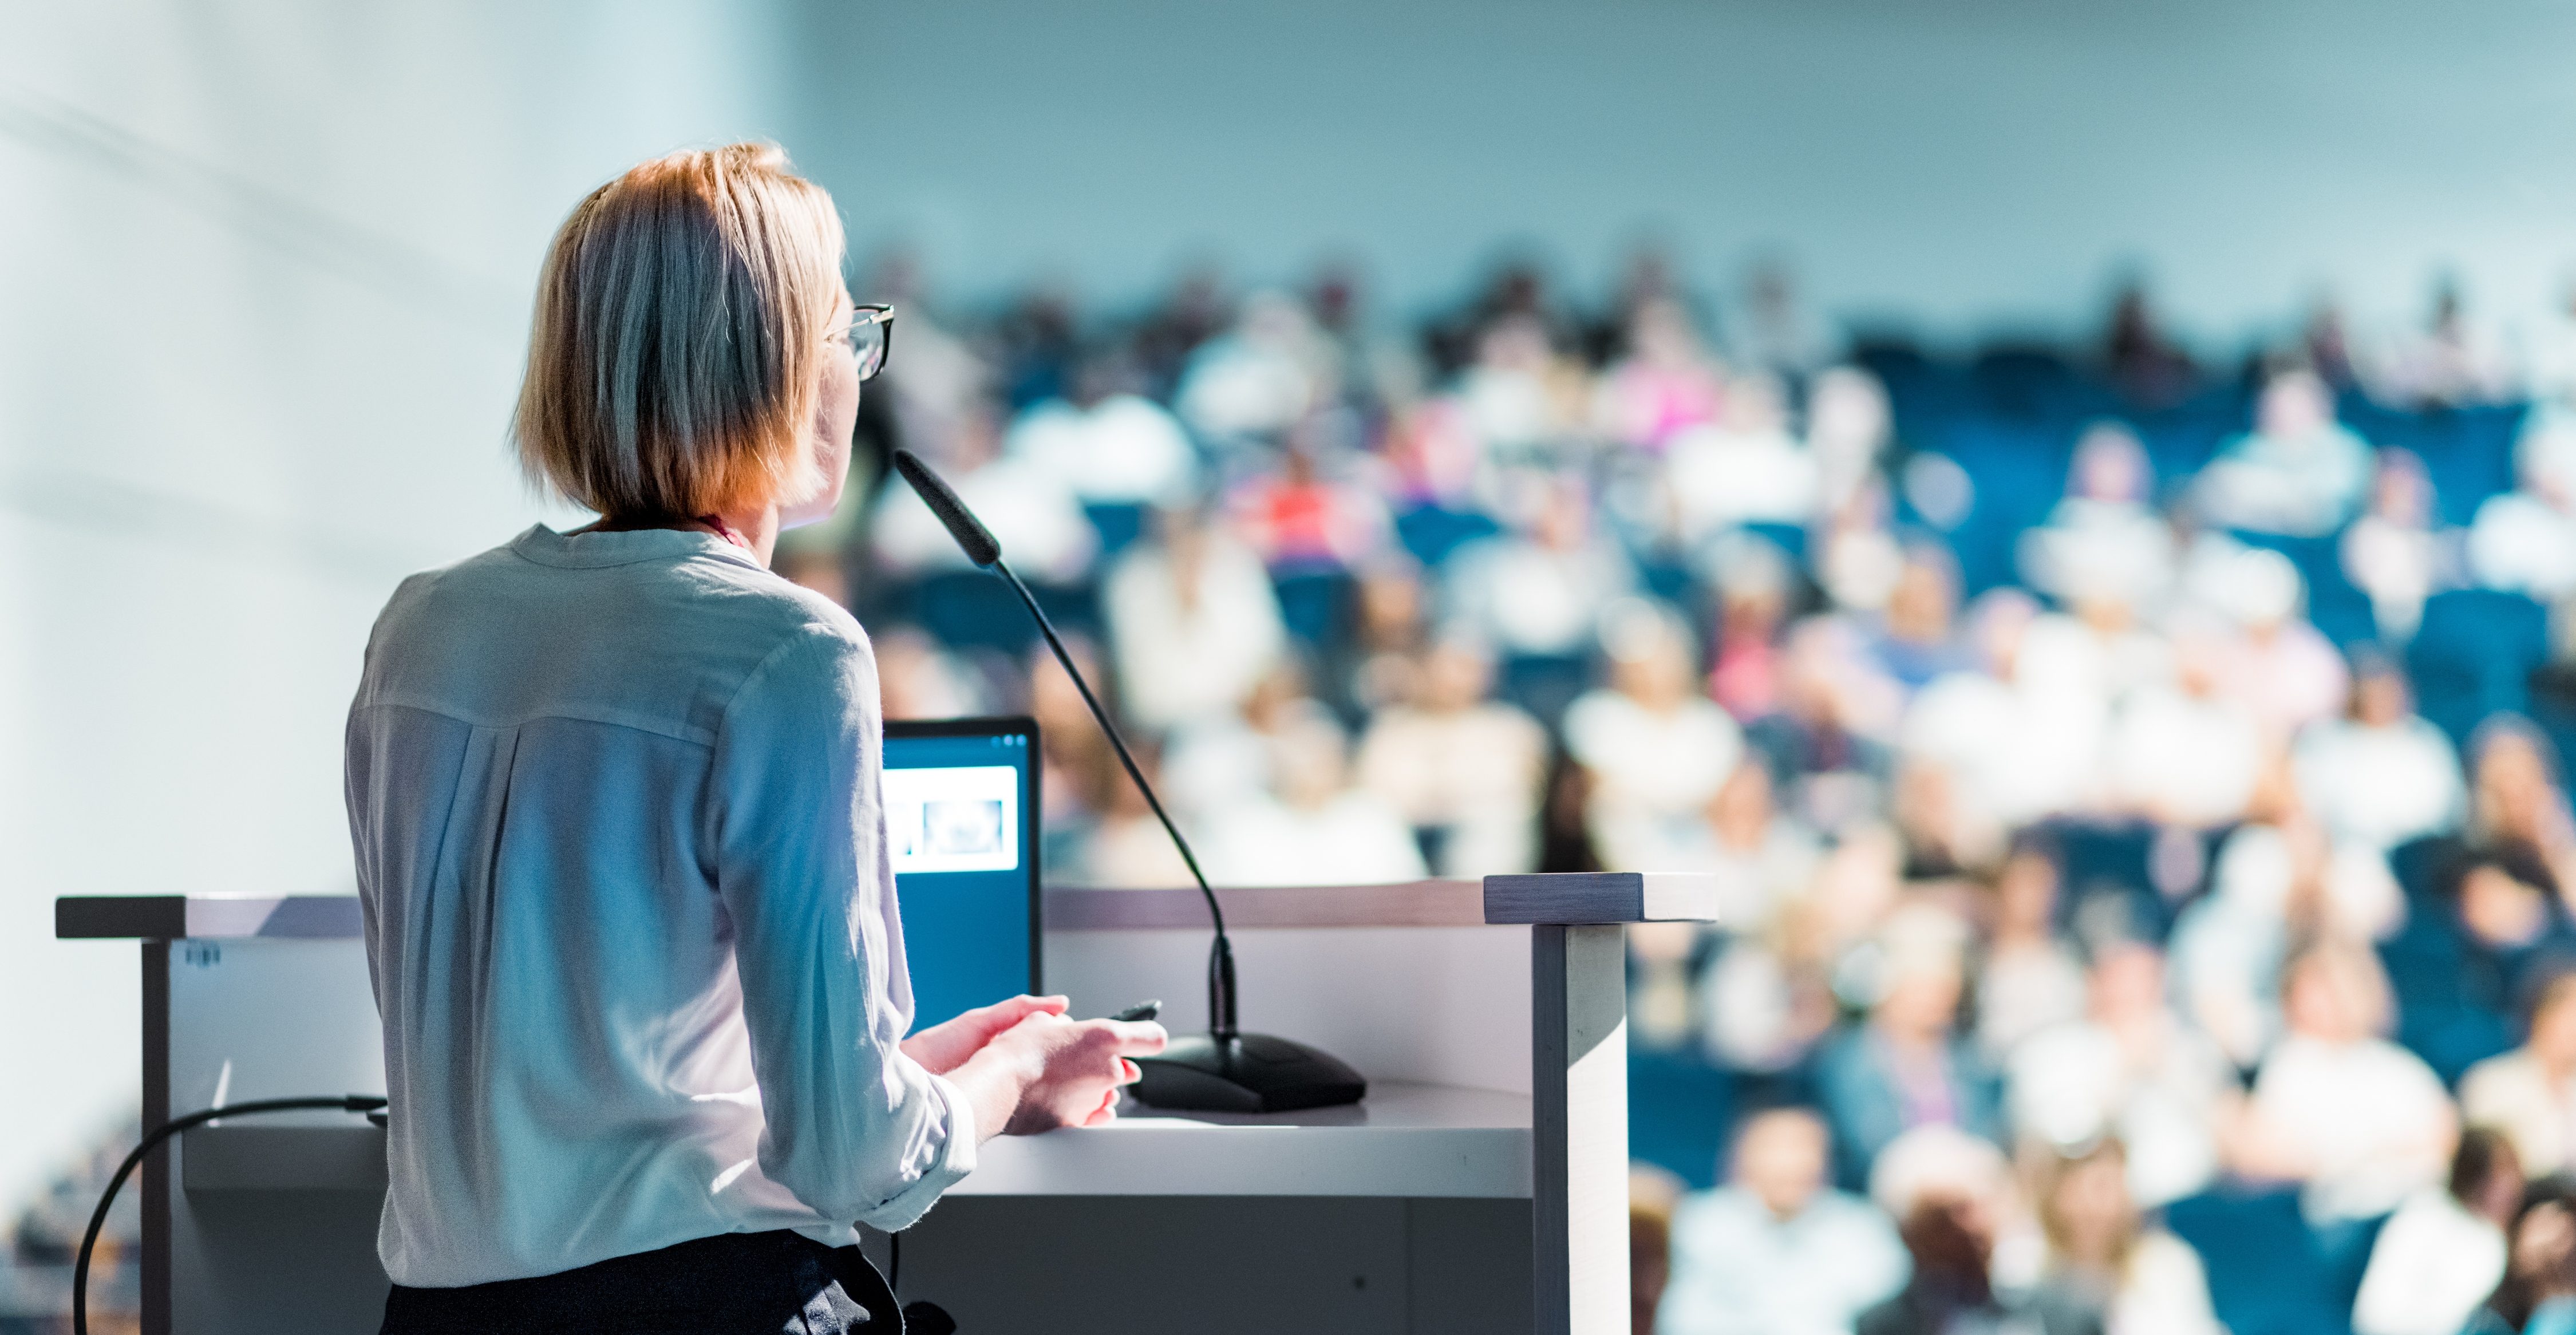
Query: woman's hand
x=944 y=1047
x=1048 y=1071
x=1080 y=1066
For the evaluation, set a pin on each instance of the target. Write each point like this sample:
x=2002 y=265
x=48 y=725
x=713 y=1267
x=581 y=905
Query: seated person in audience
x=1953 y=1199
x=2360 y=1122
x=1665 y=385
x=2023 y=734
x=1303 y=520
x=2443 y=1252
x=2381 y=775
x=1463 y=770
x=2189 y=753
x=2525 y=539
x=1906 y=1066
x=1219 y=762
x=2299 y=473
x=2267 y=888
x=1655 y=749
x=2394 y=552
x=1376 y=666
x=1536 y=592
x=1767 y=998
x=2277 y=664
x=1753 y=590
x=1761 y=856
x=2131 y=1069
x=2503 y=937
x=1915 y=641
x=918 y=680
x=1823 y=743
x=2105 y=1265
x=1312 y=828
x=2515 y=800
x=1259 y=378
x=2029 y=979
x=1777 y=1251
x=2538 y=1295
x=1107 y=445
x=1049 y=539
x=1744 y=468
x=1849 y=425
x=1520 y=401
x=2105 y=539
x=2529 y=1094
x=1193 y=623
x=1946 y=840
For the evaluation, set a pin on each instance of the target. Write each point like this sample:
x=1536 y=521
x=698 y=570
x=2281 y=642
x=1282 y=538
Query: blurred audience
x=2047 y=721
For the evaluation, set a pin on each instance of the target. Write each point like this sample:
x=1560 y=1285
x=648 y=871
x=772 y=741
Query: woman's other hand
x=1060 y=1072
x=945 y=1046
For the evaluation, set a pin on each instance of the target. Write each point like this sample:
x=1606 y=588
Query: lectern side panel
x=155 y=1185
x=254 y=1018
x=1579 y=1129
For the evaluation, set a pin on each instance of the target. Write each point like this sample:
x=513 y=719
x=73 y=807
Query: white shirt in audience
x=2514 y=1094
x=2364 y=1110
x=1046 y=535
x=2185 y=758
x=2381 y=786
x=1352 y=839
x=1122 y=450
x=1179 y=659
x=2434 y=1263
x=1654 y=772
x=1527 y=598
x=2522 y=543
x=1475 y=772
x=1721 y=478
x=1739 y=1269
x=2074 y=1084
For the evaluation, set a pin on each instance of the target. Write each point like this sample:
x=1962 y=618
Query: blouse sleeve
x=855 y=1128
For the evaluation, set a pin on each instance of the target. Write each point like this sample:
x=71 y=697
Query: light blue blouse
x=629 y=912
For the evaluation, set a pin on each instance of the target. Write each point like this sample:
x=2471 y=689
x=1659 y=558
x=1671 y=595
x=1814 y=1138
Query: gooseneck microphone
x=1225 y=1070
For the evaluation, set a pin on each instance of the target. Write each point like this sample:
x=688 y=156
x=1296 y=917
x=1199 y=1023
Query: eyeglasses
x=871 y=336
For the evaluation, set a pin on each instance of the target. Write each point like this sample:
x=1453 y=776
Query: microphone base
x=1250 y=1073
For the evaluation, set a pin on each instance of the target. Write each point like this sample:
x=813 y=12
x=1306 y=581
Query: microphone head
x=971 y=535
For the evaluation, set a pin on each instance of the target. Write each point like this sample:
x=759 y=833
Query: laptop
x=961 y=802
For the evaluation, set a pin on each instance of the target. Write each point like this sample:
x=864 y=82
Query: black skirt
x=751 y=1283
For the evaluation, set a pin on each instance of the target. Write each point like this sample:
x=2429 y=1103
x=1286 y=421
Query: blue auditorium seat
x=970 y=609
x=2473 y=656
x=1117 y=525
x=1681 y=1113
x=1432 y=533
x=2269 y=1273
x=2019 y=472
x=1317 y=605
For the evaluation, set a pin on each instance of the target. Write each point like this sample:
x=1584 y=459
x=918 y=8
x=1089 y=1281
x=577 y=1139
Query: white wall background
x=263 y=269
x=263 y=275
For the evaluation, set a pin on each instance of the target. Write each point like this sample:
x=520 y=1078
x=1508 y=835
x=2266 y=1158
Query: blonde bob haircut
x=682 y=320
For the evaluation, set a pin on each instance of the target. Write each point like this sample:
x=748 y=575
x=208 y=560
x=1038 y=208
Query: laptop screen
x=961 y=803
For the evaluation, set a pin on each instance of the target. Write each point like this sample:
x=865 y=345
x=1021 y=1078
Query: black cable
x=1221 y=1012
x=356 y=1103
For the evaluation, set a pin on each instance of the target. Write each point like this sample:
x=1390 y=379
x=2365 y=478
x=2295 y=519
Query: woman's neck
x=755 y=528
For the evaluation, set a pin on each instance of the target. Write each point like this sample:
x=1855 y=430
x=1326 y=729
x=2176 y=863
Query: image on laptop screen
x=961 y=824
